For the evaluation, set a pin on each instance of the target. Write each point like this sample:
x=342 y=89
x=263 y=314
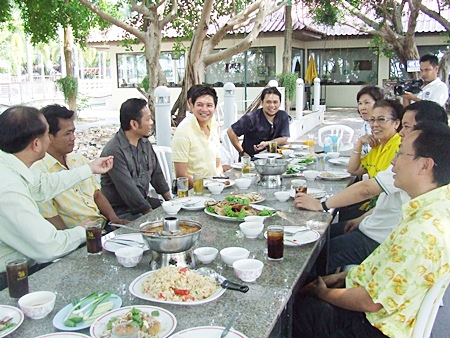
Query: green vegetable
x=136 y=316
x=8 y=326
x=238 y=200
x=210 y=209
x=77 y=314
x=266 y=212
x=242 y=214
x=156 y=313
x=76 y=309
x=95 y=304
x=229 y=212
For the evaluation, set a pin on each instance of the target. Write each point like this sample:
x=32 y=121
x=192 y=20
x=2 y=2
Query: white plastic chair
x=167 y=169
x=340 y=131
x=429 y=308
x=227 y=148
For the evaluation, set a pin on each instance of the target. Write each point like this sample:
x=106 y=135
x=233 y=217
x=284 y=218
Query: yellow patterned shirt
x=402 y=269
x=379 y=158
x=75 y=205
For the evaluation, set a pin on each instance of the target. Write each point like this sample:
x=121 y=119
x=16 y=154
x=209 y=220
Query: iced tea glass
x=275 y=242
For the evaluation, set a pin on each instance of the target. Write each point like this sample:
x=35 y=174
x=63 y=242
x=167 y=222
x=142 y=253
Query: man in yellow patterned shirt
x=381 y=297
x=84 y=201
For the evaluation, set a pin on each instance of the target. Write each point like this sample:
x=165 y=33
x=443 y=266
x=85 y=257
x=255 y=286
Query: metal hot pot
x=270 y=170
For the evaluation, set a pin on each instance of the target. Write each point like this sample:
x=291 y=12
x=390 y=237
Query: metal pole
x=229 y=113
x=299 y=98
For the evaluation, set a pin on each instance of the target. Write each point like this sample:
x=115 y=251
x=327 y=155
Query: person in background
x=433 y=88
x=353 y=240
x=23 y=141
x=84 y=201
x=366 y=98
x=382 y=296
x=195 y=144
x=126 y=186
x=260 y=126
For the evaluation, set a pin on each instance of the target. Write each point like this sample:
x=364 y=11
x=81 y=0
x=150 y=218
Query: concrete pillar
x=316 y=94
x=162 y=116
x=229 y=97
x=299 y=98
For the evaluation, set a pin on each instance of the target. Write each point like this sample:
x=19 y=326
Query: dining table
x=264 y=311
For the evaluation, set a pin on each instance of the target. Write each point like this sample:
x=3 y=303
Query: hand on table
x=307 y=202
x=259 y=147
x=118 y=221
x=102 y=165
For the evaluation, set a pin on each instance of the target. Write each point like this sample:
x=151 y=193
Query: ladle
x=226 y=284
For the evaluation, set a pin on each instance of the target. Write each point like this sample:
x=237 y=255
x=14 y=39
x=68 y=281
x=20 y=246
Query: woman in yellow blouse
x=385 y=123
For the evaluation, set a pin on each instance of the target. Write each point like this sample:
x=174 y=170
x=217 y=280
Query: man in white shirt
x=433 y=88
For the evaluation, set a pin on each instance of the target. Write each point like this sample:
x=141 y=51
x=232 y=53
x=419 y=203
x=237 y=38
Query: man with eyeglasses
x=352 y=241
x=260 y=126
x=136 y=165
x=433 y=88
x=382 y=296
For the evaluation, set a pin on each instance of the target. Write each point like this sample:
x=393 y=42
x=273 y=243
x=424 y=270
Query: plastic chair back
x=161 y=154
x=338 y=130
x=228 y=147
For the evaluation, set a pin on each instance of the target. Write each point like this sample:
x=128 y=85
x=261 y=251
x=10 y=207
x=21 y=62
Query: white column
x=162 y=116
x=299 y=98
x=316 y=94
x=229 y=113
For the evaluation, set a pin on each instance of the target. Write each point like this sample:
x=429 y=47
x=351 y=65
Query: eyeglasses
x=380 y=120
x=398 y=153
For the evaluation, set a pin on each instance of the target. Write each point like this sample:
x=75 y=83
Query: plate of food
x=152 y=320
x=226 y=181
x=342 y=161
x=232 y=211
x=175 y=285
x=333 y=175
x=113 y=242
x=207 y=331
x=63 y=335
x=302 y=161
x=85 y=311
x=239 y=166
x=268 y=155
x=294 y=169
x=316 y=193
x=194 y=202
x=10 y=319
x=301 y=235
x=252 y=197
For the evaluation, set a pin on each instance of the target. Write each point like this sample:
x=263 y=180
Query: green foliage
x=69 y=86
x=5 y=11
x=381 y=47
x=288 y=81
x=144 y=84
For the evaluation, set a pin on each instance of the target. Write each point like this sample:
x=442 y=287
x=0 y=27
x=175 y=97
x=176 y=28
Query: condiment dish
x=282 y=196
x=248 y=270
x=310 y=175
x=231 y=254
x=243 y=183
x=129 y=256
x=287 y=153
x=215 y=187
x=171 y=207
x=333 y=154
x=206 y=254
x=251 y=229
x=252 y=176
x=37 y=305
x=259 y=219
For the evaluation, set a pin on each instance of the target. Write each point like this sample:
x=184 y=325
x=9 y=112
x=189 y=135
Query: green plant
x=289 y=82
x=69 y=86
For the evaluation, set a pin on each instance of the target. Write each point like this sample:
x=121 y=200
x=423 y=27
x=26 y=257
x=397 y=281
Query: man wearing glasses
x=433 y=88
x=382 y=296
x=261 y=126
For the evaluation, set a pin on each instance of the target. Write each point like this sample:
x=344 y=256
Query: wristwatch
x=324 y=206
x=241 y=153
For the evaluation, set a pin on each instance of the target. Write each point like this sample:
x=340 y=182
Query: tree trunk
x=287 y=53
x=68 y=47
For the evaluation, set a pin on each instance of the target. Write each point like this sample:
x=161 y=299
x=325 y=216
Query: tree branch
x=436 y=16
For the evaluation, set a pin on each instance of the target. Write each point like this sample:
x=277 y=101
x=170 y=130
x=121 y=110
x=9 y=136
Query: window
x=298 y=66
x=346 y=66
x=131 y=69
x=259 y=62
x=397 y=70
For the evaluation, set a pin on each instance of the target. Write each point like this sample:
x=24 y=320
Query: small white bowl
x=206 y=254
x=37 y=305
x=333 y=154
x=232 y=254
x=310 y=175
x=130 y=256
x=251 y=229
x=282 y=196
x=216 y=187
x=287 y=152
x=243 y=183
x=251 y=176
x=171 y=207
x=248 y=270
x=259 y=219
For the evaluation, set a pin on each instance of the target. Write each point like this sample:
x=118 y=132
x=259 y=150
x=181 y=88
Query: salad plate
x=252 y=197
x=114 y=243
x=136 y=290
x=294 y=170
x=207 y=331
x=207 y=181
x=193 y=202
x=166 y=318
x=342 y=161
x=227 y=218
x=63 y=335
x=58 y=320
x=17 y=318
x=333 y=175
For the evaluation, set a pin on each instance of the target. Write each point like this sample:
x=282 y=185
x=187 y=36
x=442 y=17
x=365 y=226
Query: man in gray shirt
x=135 y=164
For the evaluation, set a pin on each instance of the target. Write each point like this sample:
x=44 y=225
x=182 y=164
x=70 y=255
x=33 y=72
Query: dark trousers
x=316 y=318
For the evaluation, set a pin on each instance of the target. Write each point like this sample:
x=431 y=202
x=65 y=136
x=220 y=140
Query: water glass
x=272 y=146
x=182 y=186
x=17 y=276
x=94 y=236
x=246 y=165
x=275 y=242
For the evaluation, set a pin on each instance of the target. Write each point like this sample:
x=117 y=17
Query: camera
x=412 y=86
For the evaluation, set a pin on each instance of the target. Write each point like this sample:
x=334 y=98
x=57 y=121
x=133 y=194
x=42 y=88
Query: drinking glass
x=94 y=236
x=182 y=186
x=272 y=146
x=246 y=165
x=198 y=184
x=275 y=242
x=17 y=275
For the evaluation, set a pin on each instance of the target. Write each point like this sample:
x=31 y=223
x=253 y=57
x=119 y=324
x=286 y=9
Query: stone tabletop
x=77 y=274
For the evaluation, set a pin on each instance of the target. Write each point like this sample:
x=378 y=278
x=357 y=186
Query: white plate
x=207 y=332
x=295 y=146
x=112 y=246
x=300 y=238
x=226 y=218
x=299 y=154
x=316 y=193
x=198 y=200
x=206 y=181
x=167 y=319
x=258 y=198
x=340 y=161
x=337 y=175
x=136 y=290
x=239 y=166
x=58 y=320
x=268 y=155
x=17 y=318
x=298 y=168
x=64 y=335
